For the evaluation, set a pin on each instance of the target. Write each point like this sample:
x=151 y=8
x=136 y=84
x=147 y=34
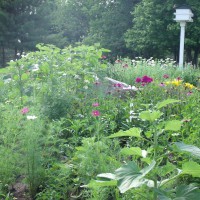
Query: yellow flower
x=176 y=82
x=190 y=86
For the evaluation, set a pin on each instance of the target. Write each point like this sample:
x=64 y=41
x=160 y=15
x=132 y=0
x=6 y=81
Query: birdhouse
x=183 y=14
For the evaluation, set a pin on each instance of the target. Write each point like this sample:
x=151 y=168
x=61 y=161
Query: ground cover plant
x=68 y=133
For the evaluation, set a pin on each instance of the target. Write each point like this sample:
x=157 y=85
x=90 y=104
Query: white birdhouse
x=183 y=14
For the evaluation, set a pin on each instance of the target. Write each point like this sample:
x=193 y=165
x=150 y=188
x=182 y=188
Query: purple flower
x=138 y=80
x=118 y=85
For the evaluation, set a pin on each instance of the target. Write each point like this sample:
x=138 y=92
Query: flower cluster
x=144 y=80
x=189 y=86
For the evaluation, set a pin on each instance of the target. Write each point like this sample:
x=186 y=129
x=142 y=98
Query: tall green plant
x=131 y=175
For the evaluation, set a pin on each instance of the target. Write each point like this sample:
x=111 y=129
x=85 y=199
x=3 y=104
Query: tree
x=155 y=33
x=109 y=20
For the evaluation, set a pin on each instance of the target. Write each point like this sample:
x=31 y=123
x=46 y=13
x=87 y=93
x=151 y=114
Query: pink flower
x=95 y=113
x=95 y=104
x=162 y=85
x=117 y=61
x=125 y=66
x=165 y=76
x=24 y=110
x=103 y=57
x=189 y=93
x=138 y=80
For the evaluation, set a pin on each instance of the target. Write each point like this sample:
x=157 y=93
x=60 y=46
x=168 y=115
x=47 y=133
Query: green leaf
x=173 y=125
x=165 y=103
x=129 y=176
x=191 y=168
x=132 y=151
x=150 y=115
x=195 y=151
x=24 y=76
x=97 y=183
x=108 y=176
x=133 y=132
x=187 y=192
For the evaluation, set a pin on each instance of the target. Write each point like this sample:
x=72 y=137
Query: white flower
x=86 y=81
x=77 y=77
x=85 y=87
x=144 y=153
x=31 y=117
x=131 y=105
x=8 y=80
x=35 y=68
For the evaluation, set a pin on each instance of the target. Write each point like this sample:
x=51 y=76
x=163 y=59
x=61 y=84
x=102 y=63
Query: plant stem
x=155 y=144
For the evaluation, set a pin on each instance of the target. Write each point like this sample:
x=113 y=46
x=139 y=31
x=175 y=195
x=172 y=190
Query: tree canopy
x=126 y=27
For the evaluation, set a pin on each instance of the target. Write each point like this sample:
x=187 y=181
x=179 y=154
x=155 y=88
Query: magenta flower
x=166 y=76
x=24 y=110
x=96 y=104
x=95 y=113
x=147 y=79
x=138 y=80
x=178 y=78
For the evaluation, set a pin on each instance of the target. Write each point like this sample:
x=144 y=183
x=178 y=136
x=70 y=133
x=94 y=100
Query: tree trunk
x=195 y=58
x=3 y=55
x=15 y=52
x=189 y=55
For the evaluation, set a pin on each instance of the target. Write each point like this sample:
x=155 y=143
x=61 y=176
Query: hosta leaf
x=187 y=192
x=195 y=151
x=150 y=115
x=165 y=103
x=191 y=168
x=132 y=151
x=107 y=176
x=133 y=132
x=173 y=125
x=129 y=176
x=97 y=183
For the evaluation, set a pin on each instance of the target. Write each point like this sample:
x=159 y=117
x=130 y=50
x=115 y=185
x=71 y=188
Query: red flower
x=95 y=113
